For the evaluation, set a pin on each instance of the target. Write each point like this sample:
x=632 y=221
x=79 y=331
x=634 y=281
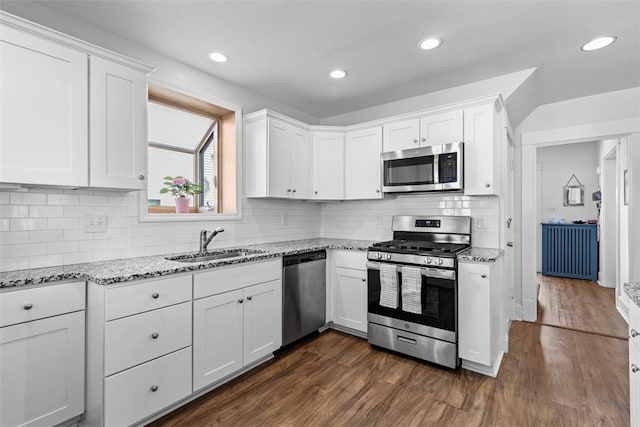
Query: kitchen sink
x=213 y=255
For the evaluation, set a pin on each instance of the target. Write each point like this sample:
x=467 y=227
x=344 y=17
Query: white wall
x=596 y=117
x=558 y=163
x=371 y=219
x=41 y=228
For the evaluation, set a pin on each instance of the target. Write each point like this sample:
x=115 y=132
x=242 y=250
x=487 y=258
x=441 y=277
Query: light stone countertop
x=633 y=290
x=479 y=255
x=124 y=270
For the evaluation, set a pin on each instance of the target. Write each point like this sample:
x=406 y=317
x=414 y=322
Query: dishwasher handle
x=304 y=258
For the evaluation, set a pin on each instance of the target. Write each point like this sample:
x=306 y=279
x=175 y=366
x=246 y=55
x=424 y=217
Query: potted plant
x=180 y=188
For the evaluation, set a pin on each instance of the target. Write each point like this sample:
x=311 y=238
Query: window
x=193 y=139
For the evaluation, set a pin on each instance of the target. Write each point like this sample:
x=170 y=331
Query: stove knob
x=440 y=261
x=427 y=260
x=388 y=256
x=379 y=255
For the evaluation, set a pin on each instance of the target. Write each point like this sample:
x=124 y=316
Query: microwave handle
x=436 y=168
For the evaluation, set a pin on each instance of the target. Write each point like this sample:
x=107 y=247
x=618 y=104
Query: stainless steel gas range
x=412 y=285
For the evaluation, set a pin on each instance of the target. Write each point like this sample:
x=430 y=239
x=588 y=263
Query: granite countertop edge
x=633 y=290
x=125 y=270
x=486 y=255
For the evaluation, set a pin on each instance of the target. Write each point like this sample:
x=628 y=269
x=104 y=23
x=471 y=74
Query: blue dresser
x=570 y=250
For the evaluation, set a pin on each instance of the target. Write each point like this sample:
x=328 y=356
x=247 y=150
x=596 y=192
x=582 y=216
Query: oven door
x=438 y=300
x=411 y=170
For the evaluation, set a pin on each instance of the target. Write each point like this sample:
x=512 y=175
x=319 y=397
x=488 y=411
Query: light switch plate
x=95 y=223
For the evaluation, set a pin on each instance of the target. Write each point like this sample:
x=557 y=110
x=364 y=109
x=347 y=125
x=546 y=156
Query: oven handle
x=427 y=272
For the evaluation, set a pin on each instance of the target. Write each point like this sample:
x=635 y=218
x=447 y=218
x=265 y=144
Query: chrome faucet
x=204 y=240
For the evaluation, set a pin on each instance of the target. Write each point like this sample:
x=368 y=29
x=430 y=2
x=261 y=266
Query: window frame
x=145 y=216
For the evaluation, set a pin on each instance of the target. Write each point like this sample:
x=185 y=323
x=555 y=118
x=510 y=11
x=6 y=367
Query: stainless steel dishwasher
x=304 y=295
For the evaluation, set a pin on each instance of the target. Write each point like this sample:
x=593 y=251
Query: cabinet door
x=474 y=312
x=634 y=383
x=445 y=128
x=217 y=337
x=401 y=135
x=43 y=111
x=362 y=164
x=301 y=152
x=279 y=172
x=479 y=150
x=118 y=126
x=42 y=371
x=262 y=320
x=350 y=298
x=328 y=165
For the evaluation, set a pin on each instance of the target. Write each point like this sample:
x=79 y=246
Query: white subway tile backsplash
x=45 y=260
x=62 y=199
x=63 y=247
x=4 y=224
x=24 y=224
x=13 y=211
x=5 y=198
x=14 y=237
x=46 y=236
x=92 y=200
x=63 y=223
x=20 y=263
x=46 y=211
x=25 y=198
x=77 y=211
x=77 y=257
x=28 y=249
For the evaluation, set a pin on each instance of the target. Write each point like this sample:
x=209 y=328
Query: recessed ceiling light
x=218 y=57
x=599 y=43
x=338 y=74
x=430 y=43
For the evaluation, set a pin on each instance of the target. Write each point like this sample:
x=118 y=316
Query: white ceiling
x=285 y=49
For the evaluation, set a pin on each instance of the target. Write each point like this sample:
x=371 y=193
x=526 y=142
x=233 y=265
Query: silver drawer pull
x=155 y=295
x=407 y=340
x=240 y=300
x=634 y=333
x=634 y=368
x=155 y=335
x=364 y=280
x=28 y=306
x=484 y=276
x=249 y=298
x=154 y=388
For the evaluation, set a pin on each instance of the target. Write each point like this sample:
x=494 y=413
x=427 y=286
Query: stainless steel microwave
x=435 y=168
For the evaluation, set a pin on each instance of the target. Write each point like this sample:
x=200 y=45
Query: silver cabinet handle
x=154 y=388
x=155 y=295
x=424 y=139
x=293 y=191
x=484 y=276
x=155 y=335
x=407 y=340
x=141 y=177
x=634 y=333
x=315 y=192
x=288 y=190
x=378 y=190
x=28 y=306
x=240 y=301
x=364 y=280
x=487 y=185
x=249 y=298
x=415 y=141
x=634 y=368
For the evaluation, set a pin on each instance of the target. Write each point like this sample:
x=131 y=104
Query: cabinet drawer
x=136 y=298
x=36 y=303
x=136 y=339
x=235 y=277
x=130 y=395
x=634 y=324
x=350 y=259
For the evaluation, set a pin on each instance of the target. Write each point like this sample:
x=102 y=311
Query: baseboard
x=347 y=330
x=490 y=371
x=621 y=306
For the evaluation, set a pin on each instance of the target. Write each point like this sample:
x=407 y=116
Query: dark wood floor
x=551 y=376
x=582 y=305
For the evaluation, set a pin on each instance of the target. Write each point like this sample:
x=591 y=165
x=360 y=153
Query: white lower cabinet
x=145 y=389
x=42 y=361
x=479 y=314
x=349 y=289
x=235 y=328
x=634 y=363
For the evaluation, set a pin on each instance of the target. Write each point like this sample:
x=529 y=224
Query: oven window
x=412 y=171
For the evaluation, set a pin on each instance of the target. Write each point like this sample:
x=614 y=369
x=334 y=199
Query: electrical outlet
x=95 y=223
x=284 y=219
x=481 y=223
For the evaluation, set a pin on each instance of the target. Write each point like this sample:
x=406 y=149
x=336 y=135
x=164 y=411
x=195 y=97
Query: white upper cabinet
x=401 y=135
x=72 y=114
x=328 y=166
x=435 y=129
x=118 y=130
x=445 y=128
x=278 y=158
x=362 y=164
x=482 y=164
x=43 y=111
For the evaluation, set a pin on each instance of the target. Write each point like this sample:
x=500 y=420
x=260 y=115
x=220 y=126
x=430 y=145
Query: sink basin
x=213 y=255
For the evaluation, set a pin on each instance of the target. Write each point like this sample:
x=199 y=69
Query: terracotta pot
x=182 y=205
